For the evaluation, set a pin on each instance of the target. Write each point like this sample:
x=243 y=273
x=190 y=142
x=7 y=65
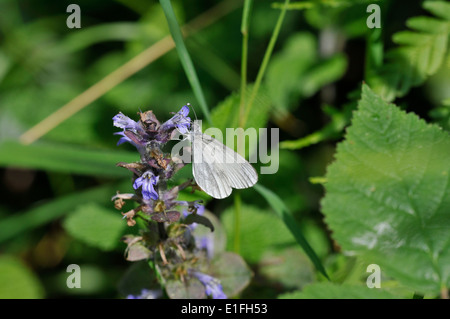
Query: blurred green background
x=48 y=187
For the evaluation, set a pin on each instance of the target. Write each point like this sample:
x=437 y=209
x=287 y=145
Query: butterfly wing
x=217 y=168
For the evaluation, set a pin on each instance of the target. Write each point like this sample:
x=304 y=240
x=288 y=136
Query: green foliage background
x=385 y=198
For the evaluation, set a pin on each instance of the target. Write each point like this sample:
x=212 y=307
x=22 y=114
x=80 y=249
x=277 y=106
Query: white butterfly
x=218 y=169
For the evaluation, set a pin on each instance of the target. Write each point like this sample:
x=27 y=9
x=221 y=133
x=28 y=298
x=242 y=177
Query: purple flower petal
x=138 y=182
x=124 y=122
x=212 y=285
x=147 y=181
x=180 y=120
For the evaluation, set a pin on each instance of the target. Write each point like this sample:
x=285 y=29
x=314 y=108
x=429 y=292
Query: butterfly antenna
x=193 y=110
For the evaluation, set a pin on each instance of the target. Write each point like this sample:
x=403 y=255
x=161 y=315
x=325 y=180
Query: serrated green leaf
x=325 y=290
x=64 y=158
x=17 y=281
x=388 y=194
x=420 y=53
x=95 y=226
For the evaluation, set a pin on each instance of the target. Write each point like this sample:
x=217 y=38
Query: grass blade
x=280 y=208
x=63 y=158
x=43 y=214
x=184 y=56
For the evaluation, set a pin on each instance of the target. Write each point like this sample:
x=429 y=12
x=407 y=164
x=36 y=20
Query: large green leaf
x=63 y=158
x=388 y=194
x=17 y=281
x=96 y=226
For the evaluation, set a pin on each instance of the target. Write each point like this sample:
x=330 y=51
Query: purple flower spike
x=212 y=285
x=147 y=181
x=181 y=121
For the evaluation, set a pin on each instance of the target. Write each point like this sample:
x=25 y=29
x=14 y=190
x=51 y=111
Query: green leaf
x=232 y=271
x=136 y=250
x=388 y=194
x=289 y=267
x=297 y=72
x=327 y=290
x=87 y=36
x=63 y=158
x=17 y=281
x=420 y=53
x=46 y=212
x=260 y=231
x=226 y=113
x=331 y=130
x=218 y=237
x=138 y=276
x=95 y=226
x=192 y=289
x=199 y=219
x=285 y=215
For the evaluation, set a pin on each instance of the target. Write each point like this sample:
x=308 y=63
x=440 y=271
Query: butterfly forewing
x=217 y=168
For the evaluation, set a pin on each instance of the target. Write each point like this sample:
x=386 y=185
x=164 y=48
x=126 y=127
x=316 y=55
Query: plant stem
x=444 y=292
x=244 y=58
x=237 y=223
x=162 y=231
x=244 y=31
x=264 y=63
